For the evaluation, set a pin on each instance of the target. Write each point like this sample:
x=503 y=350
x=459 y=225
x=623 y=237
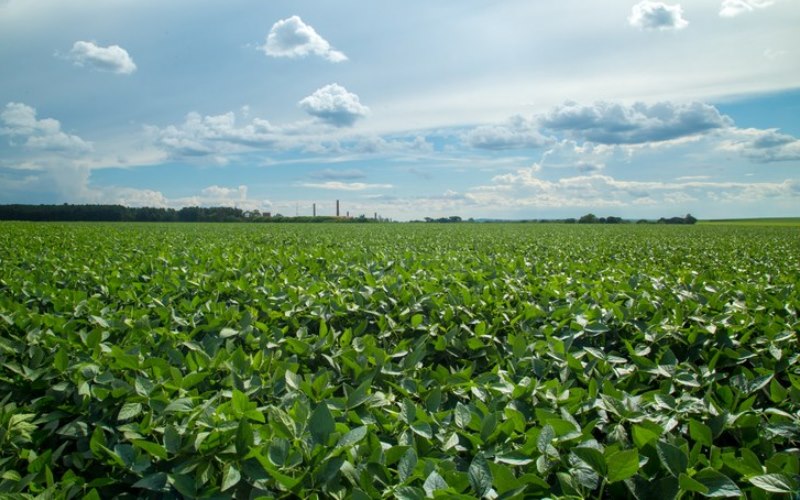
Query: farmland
x=407 y=361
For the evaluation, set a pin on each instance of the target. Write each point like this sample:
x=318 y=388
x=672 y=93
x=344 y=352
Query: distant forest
x=119 y=213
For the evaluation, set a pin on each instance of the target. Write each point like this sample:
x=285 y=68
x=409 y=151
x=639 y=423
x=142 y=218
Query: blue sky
x=477 y=108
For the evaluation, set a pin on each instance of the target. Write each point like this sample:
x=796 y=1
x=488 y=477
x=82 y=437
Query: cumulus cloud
x=525 y=187
x=211 y=196
x=345 y=186
x=334 y=105
x=732 y=8
x=764 y=146
x=131 y=197
x=609 y=123
x=516 y=133
x=221 y=136
x=23 y=128
x=216 y=134
x=650 y=15
x=113 y=58
x=293 y=38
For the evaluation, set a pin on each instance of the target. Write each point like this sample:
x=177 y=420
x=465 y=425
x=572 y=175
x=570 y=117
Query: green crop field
x=399 y=361
x=767 y=221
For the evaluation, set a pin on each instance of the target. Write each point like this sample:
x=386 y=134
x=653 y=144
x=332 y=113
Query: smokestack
x=376 y=215
x=314 y=209
x=337 y=208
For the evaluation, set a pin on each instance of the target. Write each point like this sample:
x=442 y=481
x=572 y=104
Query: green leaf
x=514 y=458
x=61 y=360
x=240 y=402
x=129 y=411
x=101 y=322
x=329 y=470
x=700 y=432
x=278 y=451
x=546 y=436
x=622 y=465
x=463 y=415
x=405 y=468
x=182 y=405
x=230 y=478
x=153 y=449
x=718 y=484
x=488 y=426
x=688 y=484
x=423 y=429
x=321 y=423
x=244 y=437
x=11 y=475
x=672 y=457
x=153 y=482
x=643 y=435
x=409 y=493
x=416 y=320
x=228 y=332
x=172 y=440
x=775 y=483
x=593 y=458
x=97 y=443
x=92 y=495
x=503 y=479
x=359 y=396
x=293 y=380
x=480 y=476
x=433 y=483
x=352 y=437
x=758 y=383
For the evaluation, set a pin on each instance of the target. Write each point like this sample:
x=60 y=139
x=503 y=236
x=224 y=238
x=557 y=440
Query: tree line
x=593 y=219
x=120 y=213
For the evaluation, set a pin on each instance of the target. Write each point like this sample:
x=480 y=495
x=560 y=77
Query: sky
x=514 y=109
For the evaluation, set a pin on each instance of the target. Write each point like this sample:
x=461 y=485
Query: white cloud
x=516 y=133
x=20 y=124
x=211 y=196
x=345 y=186
x=222 y=136
x=293 y=38
x=732 y=8
x=225 y=193
x=649 y=15
x=693 y=178
x=525 y=188
x=216 y=134
x=379 y=145
x=763 y=146
x=131 y=197
x=334 y=105
x=112 y=58
x=609 y=123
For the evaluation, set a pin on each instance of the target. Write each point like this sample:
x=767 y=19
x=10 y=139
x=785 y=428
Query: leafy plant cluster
x=398 y=361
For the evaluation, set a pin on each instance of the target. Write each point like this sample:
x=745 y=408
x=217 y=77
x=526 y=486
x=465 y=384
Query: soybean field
x=401 y=361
